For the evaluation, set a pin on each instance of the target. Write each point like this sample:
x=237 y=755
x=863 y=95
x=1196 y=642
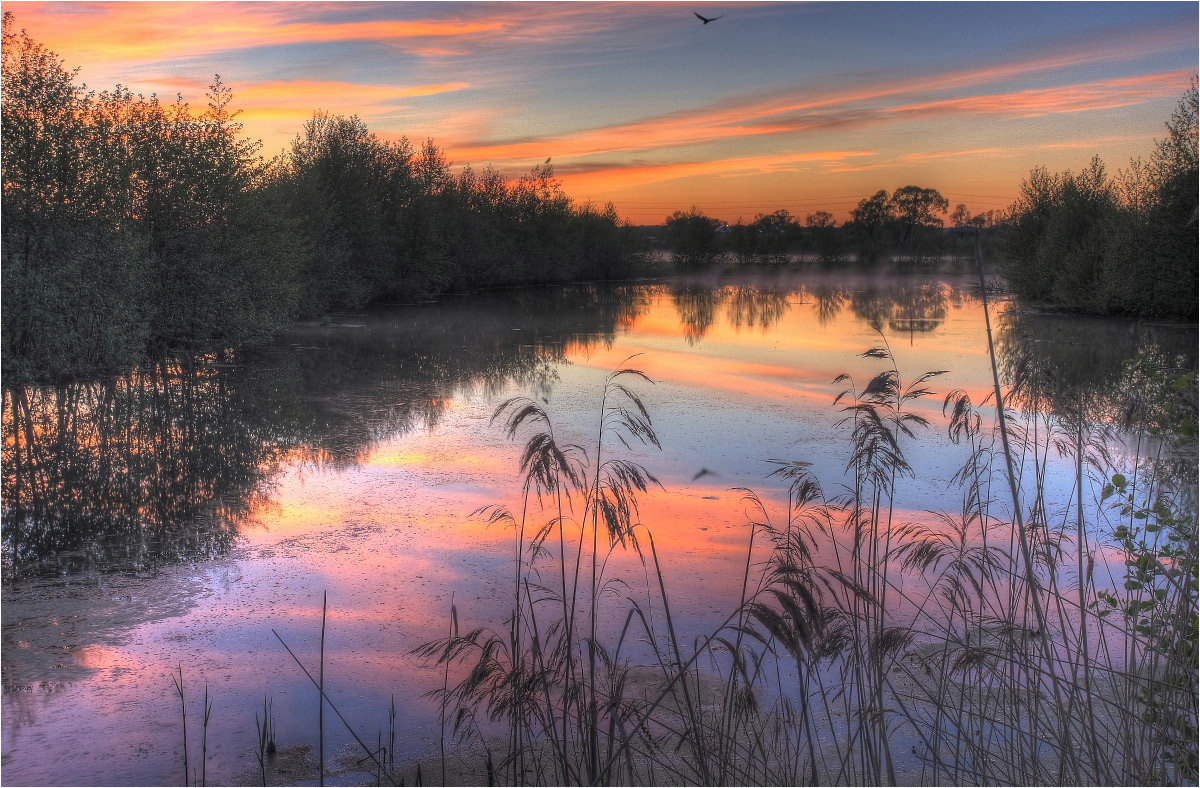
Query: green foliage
x=1179 y=151
x=915 y=211
x=903 y=230
x=769 y=240
x=871 y=226
x=1159 y=603
x=775 y=234
x=385 y=221
x=1128 y=245
x=129 y=227
x=338 y=183
x=134 y=228
x=905 y=223
x=64 y=282
x=821 y=235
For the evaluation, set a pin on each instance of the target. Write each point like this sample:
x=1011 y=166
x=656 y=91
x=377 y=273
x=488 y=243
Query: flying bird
x=706 y=20
x=704 y=472
x=548 y=158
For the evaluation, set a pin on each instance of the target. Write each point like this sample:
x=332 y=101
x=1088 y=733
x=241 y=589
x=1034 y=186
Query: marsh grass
x=266 y=738
x=202 y=779
x=178 y=682
x=375 y=755
x=1022 y=639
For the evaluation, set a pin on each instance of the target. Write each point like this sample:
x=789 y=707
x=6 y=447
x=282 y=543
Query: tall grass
x=1025 y=638
x=177 y=680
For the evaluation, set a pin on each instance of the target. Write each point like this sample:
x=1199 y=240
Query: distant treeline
x=134 y=228
x=902 y=230
x=1085 y=242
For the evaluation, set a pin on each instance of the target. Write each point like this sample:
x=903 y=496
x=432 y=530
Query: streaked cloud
x=777 y=102
x=627 y=175
x=1083 y=97
x=844 y=112
x=104 y=32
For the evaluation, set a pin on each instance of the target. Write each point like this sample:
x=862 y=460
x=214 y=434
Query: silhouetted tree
x=693 y=239
x=1128 y=245
x=1172 y=221
x=824 y=238
x=134 y=228
x=127 y=229
x=916 y=211
x=776 y=235
x=871 y=225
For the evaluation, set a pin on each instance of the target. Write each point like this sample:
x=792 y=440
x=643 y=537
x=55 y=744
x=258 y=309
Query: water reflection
x=697 y=307
x=906 y=309
x=829 y=300
x=1058 y=362
x=757 y=307
x=102 y=474
x=157 y=466
x=905 y=306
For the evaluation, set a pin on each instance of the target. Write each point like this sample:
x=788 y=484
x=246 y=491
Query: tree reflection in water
x=829 y=299
x=102 y=474
x=746 y=306
x=697 y=308
x=906 y=308
x=157 y=466
x=1058 y=362
x=756 y=307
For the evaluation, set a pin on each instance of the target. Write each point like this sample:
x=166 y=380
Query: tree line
x=1124 y=244
x=904 y=230
x=1085 y=242
x=135 y=228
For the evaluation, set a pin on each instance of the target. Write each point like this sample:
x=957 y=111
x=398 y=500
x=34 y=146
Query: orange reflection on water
x=737 y=377
x=381 y=523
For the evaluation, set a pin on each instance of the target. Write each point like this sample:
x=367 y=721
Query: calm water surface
x=175 y=518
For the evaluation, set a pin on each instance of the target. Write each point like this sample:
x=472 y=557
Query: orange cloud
x=736 y=120
x=1080 y=97
x=140 y=41
x=104 y=32
x=635 y=175
x=989 y=153
x=302 y=93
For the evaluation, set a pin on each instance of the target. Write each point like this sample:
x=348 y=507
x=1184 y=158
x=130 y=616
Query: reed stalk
x=321 y=695
x=178 y=681
x=852 y=627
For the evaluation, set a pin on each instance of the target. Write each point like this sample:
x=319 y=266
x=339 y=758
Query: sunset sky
x=802 y=106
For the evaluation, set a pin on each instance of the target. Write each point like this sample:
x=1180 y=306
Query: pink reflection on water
x=391 y=540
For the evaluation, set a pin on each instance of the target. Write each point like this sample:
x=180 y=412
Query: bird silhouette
x=704 y=472
x=706 y=19
x=548 y=158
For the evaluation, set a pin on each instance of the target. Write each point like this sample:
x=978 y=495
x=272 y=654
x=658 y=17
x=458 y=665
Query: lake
x=171 y=521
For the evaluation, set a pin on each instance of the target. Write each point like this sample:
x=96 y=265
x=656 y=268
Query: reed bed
x=1033 y=636
x=1019 y=640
